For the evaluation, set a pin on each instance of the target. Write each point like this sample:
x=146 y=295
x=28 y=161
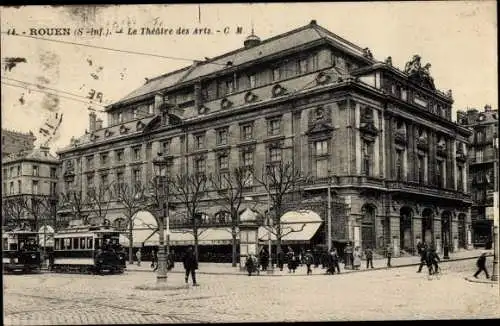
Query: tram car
x=20 y=251
x=87 y=249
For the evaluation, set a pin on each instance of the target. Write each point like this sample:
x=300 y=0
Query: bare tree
x=39 y=207
x=98 y=200
x=188 y=190
x=133 y=200
x=280 y=180
x=229 y=187
x=13 y=211
x=76 y=203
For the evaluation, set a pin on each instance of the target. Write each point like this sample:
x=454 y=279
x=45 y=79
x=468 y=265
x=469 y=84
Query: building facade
x=15 y=142
x=29 y=188
x=382 y=139
x=483 y=159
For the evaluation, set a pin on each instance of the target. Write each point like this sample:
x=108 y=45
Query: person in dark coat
x=335 y=260
x=369 y=257
x=389 y=255
x=308 y=260
x=264 y=259
x=435 y=261
x=281 y=259
x=429 y=259
x=251 y=264
x=292 y=260
x=423 y=253
x=153 y=259
x=481 y=265
x=170 y=260
x=190 y=265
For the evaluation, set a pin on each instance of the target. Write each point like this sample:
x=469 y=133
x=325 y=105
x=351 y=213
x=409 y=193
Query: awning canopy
x=296 y=226
x=206 y=236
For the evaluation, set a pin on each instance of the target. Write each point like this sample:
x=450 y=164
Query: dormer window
x=120 y=117
x=276 y=73
x=302 y=65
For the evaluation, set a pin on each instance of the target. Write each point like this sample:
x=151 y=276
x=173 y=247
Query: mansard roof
x=301 y=36
x=42 y=155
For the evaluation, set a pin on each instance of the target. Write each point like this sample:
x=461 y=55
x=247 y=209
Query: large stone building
x=14 y=142
x=29 y=187
x=381 y=138
x=482 y=159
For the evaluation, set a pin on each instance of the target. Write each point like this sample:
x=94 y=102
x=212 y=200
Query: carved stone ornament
x=93 y=136
x=203 y=110
x=225 y=103
x=323 y=78
x=367 y=53
x=140 y=125
x=123 y=129
x=419 y=74
x=108 y=133
x=388 y=61
x=250 y=97
x=368 y=128
x=278 y=90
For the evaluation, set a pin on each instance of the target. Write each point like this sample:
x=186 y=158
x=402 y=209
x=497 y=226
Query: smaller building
x=15 y=142
x=29 y=188
x=483 y=160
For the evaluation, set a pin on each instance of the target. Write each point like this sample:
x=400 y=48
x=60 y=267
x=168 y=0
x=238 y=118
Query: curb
x=348 y=271
x=484 y=281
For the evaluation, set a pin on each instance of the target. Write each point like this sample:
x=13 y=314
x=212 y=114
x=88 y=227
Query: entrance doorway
x=427 y=226
x=368 y=236
x=405 y=228
x=446 y=229
x=462 y=235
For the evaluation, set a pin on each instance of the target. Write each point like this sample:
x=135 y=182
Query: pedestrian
x=429 y=259
x=389 y=255
x=190 y=265
x=357 y=258
x=423 y=253
x=170 y=260
x=481 y=265
x=335 y=260
x=308 y=260
x=435 y=260
x=153 y=258
x=281 y=259
x=291 y=260
x=264 y=259
x=420 y=247
x=328 y=263
x=369 y=257
x=138 y=255
x=251 y=264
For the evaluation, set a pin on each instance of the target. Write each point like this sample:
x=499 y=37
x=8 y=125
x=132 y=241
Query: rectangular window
x=275 y=154
x=120 y=155
x=223 y=162
x=18 y=170
x=136 y=176
x=35 y=170
x=404 y=95
x=53 y=173
x=120 y=117
x=315 y=62
x=247 y=158
x=222 y=136
x=276 y=74
x=367 y=157
x=479 y=155
x=104 y=181
x=439 y=173
x=247 y=132
x=90 y=181
x=53 y=187
x=166 y=147
x=230 y=86
x=199 y=141
x=149 y=148
x=321 y=147
x=136 y=152
x=19 y=188
x=200 y=166
x=460 y=178
x=76 y=243
x=399 y=165
x=120 y=182
x=322 y=168
x=34 y=187
x=302 y=66
x=104 y=159
x=11 y=188
x=90 y=162
x=274 y=127
x=421 y=169
x=11 y=172
x=252 y=80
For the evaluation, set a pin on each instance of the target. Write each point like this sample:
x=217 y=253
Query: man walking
x=308 y=260
x=138 y=255
x=281 y=259
x=335 y=261
x=423 y=253
x=481 y=265
x=190 y=265
x=389 y=255
x=369 y=257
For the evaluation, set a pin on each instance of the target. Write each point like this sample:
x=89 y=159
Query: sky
x=457 y=37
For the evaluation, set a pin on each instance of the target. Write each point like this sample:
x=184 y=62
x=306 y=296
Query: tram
x=87 y=249
x=20 y=251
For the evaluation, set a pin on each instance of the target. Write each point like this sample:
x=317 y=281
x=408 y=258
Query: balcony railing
x=426 y=189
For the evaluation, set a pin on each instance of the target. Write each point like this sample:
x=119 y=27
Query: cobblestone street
x=398 y=293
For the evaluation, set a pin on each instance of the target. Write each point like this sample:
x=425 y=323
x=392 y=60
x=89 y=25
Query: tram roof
x=91 y=229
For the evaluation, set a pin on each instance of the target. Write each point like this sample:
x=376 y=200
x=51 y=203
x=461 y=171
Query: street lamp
x=160 y=164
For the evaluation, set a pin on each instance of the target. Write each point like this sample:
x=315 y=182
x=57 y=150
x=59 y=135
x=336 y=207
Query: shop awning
x=297 y=226
x=206 y=236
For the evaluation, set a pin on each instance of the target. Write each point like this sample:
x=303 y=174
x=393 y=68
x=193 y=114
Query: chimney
x=158 y=102
x=92 y=121
x=45 y=150
x=98 y=124
x=487 y=108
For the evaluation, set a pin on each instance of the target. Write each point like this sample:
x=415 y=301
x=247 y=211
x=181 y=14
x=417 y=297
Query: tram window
x=89 y=243
x=76 y=243
x=67 y=243
x=5 y=244
x=57 y=244
x=13 y=246
x=82 y=243
x=21 y=245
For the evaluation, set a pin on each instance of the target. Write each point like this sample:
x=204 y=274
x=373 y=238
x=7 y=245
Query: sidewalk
x=227 y=269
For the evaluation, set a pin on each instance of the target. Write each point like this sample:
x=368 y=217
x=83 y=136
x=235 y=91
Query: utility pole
x=269 y=225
